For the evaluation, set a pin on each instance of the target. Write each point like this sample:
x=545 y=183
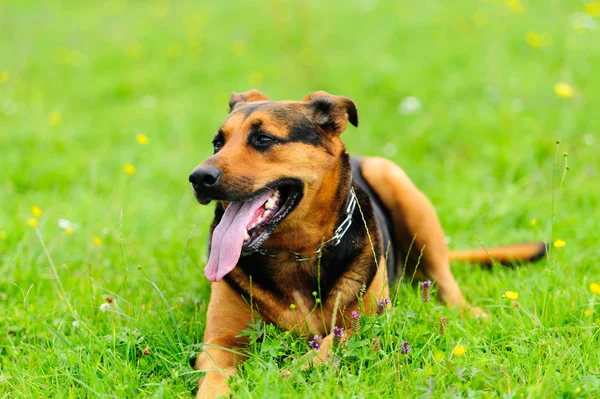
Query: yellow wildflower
x=3 y=235
x=512 y=295
x=593 y=8
x=460 y=350
x=69 y=231
x=36 y=211
x=55 y=119
x=587 y=313
x=559 y=243
x=32 y=222
x=4 y=76
x=578 y=390
x=142 y=139
x=129 y=169
x=533 y=222
x=537 y=40
x=515 y=6
x=256 y=79
x=595 y=288
x=564 y=90
x=97 y=241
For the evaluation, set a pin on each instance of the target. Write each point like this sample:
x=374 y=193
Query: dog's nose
x=205 y=177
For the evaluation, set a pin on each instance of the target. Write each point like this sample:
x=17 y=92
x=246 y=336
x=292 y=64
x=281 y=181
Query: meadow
x=106 y=106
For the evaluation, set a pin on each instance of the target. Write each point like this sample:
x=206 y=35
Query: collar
x=338 y=233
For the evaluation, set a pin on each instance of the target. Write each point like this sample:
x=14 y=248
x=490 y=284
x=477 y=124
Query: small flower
x=55 y=119
x=564 y=90
x=512 y=295
x=338 y=333
x=314 y=344
x=460 y=350
x=104 y=307
x=4 y=76
x=64 y=224
x=139 y=267
x=69 y=231
x=129 y=169
x=36 y=211
x=578 y=390
x=75 y=324
x=380 y=307
x=376 y=344
x=410 y=105
x=426 y=291
x=587 y=313
x=515 y=6
x=355 y=324
x=593 y=8
x=96 y=241
x=537 y=40
x=292 y=306
x=146 y=351
x=3 y=235
x=109 y=299
x=595 y=288
x=142 y=139
x=443 y=325
x=32 y=222
x=405 y=348
x=533 y=222
x=559 y=243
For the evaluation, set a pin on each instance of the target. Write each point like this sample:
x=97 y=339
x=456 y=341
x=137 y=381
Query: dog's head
x=275 y=165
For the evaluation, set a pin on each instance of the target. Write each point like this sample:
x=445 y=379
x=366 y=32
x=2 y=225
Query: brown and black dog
x=296 y=214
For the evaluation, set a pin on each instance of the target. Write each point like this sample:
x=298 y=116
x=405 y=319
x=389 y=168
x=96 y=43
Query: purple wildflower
x=405 y=350
x=338 y=332
x=314 y=344
x=380 y=307
x=443 y=325
x=426 y=291
x=355 y=326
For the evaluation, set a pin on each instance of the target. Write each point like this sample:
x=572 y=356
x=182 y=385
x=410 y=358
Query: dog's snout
x=205 y=177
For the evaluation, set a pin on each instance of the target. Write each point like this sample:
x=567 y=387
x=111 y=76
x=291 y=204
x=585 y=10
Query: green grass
x=483 y=148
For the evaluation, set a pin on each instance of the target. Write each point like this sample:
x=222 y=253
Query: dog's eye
x=217 y=145
x=263 y=140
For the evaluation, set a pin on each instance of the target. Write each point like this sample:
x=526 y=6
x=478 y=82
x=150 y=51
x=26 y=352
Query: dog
x=296 y=215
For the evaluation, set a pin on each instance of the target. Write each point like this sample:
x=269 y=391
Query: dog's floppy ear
x=250 y=96
x=331 y=113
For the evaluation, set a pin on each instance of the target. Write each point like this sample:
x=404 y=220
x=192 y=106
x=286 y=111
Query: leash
x=338 y=234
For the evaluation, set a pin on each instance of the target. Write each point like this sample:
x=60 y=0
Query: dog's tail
x=504 y=255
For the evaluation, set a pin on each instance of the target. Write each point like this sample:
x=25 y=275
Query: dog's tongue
x=228 y=236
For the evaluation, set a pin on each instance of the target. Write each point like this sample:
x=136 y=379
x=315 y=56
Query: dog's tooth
x=246 y=235
x=270 y=203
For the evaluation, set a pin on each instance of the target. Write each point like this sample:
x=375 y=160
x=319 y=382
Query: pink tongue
x=228 y=236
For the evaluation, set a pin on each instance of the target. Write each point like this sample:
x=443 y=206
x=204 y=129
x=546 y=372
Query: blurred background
x=106 y=106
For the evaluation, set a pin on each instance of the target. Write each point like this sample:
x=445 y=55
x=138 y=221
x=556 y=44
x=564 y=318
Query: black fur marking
x=305 y=132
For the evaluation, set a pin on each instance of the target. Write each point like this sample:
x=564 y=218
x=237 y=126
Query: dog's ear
x=331 y=113
x=250 y=96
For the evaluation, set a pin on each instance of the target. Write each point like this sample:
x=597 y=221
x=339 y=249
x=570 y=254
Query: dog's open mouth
x=246 y=225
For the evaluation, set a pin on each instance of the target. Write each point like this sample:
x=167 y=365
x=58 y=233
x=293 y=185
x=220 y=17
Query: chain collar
x=338 y=234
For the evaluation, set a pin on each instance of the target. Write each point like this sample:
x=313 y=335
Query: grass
x=79 y=81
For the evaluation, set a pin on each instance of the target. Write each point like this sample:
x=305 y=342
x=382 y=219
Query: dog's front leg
x=228 y=314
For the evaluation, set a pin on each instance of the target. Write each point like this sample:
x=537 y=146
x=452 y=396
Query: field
x=106 y=106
